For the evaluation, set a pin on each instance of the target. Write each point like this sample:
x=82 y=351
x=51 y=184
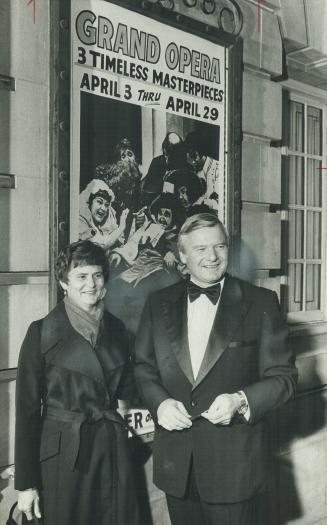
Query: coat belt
x=76 y=420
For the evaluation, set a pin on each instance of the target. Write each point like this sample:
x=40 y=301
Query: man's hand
x=222 y=409
x=172 y=415
x=28 y=502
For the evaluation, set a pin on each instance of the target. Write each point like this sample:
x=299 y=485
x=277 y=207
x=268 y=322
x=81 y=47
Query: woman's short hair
x=80 y=253
x=196 y=222
x=101 y=193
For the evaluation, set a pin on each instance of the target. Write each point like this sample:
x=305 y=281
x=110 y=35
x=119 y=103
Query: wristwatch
x=243 y=403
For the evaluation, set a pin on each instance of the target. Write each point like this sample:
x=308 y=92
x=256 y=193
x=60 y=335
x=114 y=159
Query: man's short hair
x=197 y=222
x=195 y=141
x=169 y=142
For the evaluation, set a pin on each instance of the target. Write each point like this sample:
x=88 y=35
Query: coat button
x=193 y=403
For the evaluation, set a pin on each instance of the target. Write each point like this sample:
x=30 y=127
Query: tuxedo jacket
x=247 y=350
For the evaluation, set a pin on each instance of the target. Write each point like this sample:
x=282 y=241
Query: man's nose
x=212 y=254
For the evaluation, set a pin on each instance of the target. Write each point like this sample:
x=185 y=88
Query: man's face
x=165 y=218
x=183 y=196
x=205 y=253
x=196 y=160
x=127 y=155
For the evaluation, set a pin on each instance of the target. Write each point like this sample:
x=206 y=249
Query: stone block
x=261 y=173
x=24 y=234
x=262 y=106
x=317 y=18
x=261 y=237
x=25 y=45
x=294 y=23
x=262 y=48
x=271 y=44
x=19 y=306
x=26 y=130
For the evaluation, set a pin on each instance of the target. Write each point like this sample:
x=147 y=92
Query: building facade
x=274 y=156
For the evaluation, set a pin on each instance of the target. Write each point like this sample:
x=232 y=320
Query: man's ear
x=182 y=257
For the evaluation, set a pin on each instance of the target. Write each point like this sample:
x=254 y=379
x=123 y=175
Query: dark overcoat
x=247 y=350
x=71 y=444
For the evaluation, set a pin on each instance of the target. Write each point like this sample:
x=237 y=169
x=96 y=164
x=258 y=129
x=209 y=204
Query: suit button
x=193 y=403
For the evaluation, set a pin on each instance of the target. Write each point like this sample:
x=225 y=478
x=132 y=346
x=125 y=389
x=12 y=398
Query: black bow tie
x=212 y=292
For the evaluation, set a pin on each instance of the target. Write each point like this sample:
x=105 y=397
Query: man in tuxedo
x=212 y=360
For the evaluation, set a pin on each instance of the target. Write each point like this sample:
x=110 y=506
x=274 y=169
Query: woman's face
x=99 y=210
x=85 y=286
x=127 y=155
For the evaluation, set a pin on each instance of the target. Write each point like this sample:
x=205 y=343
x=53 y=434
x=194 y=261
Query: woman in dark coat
x=72 y=459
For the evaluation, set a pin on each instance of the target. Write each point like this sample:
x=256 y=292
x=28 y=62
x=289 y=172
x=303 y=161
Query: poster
x=147 y=141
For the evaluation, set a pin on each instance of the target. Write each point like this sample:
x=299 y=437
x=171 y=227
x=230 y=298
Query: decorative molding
x=229 y=19
x=21 y=278
x=305 y=90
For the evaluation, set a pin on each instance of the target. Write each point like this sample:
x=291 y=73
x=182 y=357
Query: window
x=306 y=200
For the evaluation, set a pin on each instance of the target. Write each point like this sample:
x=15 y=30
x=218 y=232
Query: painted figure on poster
x=212 y=359
x=206 y=168
x=153 y=246
x=97 y=217
x=123 y=178
x=173 y=157
x=185 y=185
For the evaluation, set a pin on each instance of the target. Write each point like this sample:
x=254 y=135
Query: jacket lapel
x=76 y=354
x=231 y=310
x=174 y=308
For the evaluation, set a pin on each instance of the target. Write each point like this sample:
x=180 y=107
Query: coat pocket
x=50 y=446
x=238 y=344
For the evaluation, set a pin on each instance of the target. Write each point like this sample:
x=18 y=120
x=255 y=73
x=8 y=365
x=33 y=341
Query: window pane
x=313 y=287
x=295 y=295
x=313 y=235
x=296 y=234
x=297 y=126
x=314 y=192
x=296 y=181
x=314 y=130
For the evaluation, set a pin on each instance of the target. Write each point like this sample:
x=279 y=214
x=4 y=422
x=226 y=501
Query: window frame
x=309 y=96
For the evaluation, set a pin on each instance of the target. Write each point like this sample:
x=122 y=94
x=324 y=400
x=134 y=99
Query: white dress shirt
x=200 y=317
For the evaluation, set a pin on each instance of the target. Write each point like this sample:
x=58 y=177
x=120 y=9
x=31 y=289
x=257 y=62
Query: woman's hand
x=29 y=503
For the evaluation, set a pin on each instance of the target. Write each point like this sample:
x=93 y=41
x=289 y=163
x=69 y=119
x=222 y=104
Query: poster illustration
x=148 y=144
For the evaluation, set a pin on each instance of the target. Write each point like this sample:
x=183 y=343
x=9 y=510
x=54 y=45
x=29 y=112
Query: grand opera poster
x=148 y=143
